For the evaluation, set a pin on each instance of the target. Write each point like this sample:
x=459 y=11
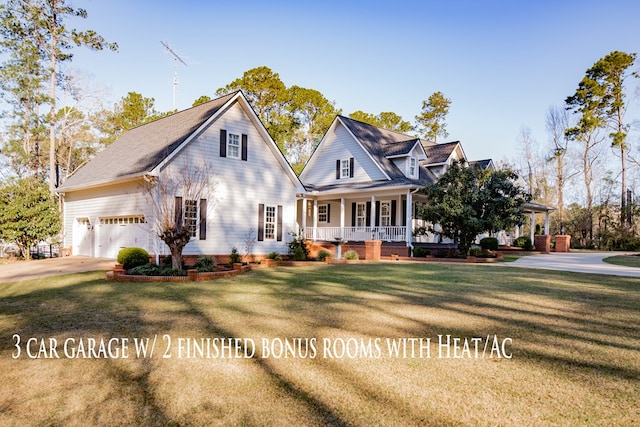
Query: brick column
x=372 y=250
x=542 y=242
x=563 y=243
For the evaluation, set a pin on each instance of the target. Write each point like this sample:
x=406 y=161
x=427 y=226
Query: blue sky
x=502 y=63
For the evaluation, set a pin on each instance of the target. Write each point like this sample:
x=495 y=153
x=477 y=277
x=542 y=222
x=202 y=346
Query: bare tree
x=177 y=200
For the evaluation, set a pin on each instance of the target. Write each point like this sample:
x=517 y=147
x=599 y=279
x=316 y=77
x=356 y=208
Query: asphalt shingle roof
x=439 y=153
x=141 y=149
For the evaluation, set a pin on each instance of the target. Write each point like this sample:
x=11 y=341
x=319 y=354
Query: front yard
x=324 y=345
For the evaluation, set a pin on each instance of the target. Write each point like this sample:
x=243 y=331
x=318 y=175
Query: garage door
x=115 y=233
x=82 y=231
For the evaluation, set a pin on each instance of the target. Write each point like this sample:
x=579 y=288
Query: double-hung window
x=385 y=214
x=344 y=168
x=233 y=145
x=361 y=215
x=323 y=213
x=413 y=167
x=270 y=223
x=191 y=216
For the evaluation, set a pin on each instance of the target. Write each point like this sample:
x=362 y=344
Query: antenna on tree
x=176 y=58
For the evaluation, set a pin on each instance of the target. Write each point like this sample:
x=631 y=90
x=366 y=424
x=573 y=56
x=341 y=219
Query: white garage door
x=116 y=233
x=82 y=231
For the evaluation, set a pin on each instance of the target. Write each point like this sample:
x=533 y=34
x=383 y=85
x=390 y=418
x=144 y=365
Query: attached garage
x=115 y=233
x=82 y=237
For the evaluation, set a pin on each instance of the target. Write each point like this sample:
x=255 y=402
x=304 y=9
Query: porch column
x=372 y=220
x=546 y=223
x=315 y=219
x=408 y=219
x=342 y=207
x=304 y=217
x=533 y=225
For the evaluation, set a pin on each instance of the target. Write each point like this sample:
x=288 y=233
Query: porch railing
x=386 y=234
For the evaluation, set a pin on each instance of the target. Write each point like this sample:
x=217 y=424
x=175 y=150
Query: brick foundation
x=542 y=243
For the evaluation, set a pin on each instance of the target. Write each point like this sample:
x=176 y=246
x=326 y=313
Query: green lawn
x=626 y=260
x=574 y=342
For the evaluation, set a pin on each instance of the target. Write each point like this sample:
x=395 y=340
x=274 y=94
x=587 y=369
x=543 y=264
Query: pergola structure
x=536 y=208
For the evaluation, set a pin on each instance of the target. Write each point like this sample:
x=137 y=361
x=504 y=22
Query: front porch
x=395 y=233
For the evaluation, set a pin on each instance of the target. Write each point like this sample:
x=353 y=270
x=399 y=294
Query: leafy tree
x=432 y=117
x=38 y=26
x=601 y=94
x=467 y=201
x=28 y=213
x=386 y=120
x=312 y=114
x=269 y=97
x=131 y=111
x=201 y=100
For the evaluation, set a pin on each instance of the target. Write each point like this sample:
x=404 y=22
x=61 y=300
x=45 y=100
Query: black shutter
x=368 y=217
x=260 y=222
x=353 y=214
x=351 y=164
x=328 y=212
x=394 y=205
x=337 y=169
x=279 y=226
x=377 y=219
x=404 y=213
x=245 y=147
x=203 y=219
x=178 y=211
x=223 y=143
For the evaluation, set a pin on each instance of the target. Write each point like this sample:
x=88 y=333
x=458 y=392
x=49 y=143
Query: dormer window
x=413 y=167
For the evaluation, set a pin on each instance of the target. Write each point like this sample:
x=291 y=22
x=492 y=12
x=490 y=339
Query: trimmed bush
x=322 y=255
x=299 y=254
x=489 y=243
x=146 y=270
x=421 y=252
x=234 y=257
x=523 y=242
x=132 y=257
x=274 y=256
x=205 y=263
x=476 y=251
x=351 y=255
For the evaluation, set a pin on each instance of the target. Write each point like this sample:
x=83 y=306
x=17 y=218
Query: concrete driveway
x=581 y=262
x=23 y=270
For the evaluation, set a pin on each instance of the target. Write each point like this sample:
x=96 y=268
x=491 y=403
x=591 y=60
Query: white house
x=252 y=196
x=363 y=181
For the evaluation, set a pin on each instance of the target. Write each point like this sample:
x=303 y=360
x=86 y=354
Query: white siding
x=238 y=187
x=340 y=144
x=118 y=200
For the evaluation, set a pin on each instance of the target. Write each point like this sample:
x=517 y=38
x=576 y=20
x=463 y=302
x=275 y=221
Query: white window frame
x=323 y=213
x=413 y=167
x=361 y=215
x=385 y=213
x=233 y=145
x=270 y=222
x=190 y=216
x=345 y=168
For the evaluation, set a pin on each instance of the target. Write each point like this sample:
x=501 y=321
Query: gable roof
x=139 y=151
x=440 y=153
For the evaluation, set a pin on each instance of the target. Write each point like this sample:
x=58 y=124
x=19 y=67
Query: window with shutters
x=233 y=145
x=345 y=170
x=413 y=167
x=385 y=214
x=191 y=216
x=323 y=213
x=270 y=222
x=361 y=215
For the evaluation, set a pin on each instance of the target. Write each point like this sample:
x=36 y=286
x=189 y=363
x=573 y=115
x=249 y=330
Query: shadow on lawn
x=294 y=302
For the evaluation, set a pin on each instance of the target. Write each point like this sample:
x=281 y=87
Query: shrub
x=322 y=255
x=205 y=263
x=476 y=251
x=421 y=252
x=351 y=255
x=299 y=254
x=132 y=257
x=172 y=272
x=274 y=256
x=490 y=243
x=298 y=248
x=523 y=242
x=146 y=270
x=234 y=256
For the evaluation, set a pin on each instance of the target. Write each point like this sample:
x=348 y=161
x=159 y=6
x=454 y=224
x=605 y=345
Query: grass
x=625 y=260
x=575 y=348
